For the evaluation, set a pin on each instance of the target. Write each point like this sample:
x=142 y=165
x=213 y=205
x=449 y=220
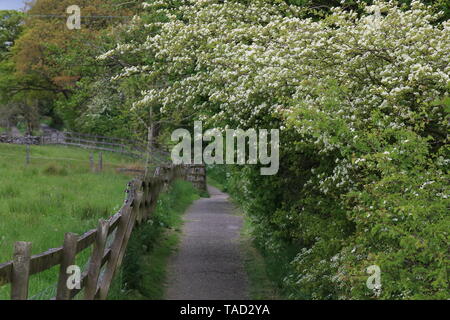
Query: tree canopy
x=359 y=90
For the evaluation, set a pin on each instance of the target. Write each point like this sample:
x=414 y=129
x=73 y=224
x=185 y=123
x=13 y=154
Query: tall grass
x=56 y=193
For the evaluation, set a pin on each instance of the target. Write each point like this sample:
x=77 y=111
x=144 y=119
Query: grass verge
x=143 y=273
x=261 y=287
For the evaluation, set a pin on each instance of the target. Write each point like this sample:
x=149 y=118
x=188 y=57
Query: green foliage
x=45 y=61
x=361 y=102
x=261 y=271
x=11 y=25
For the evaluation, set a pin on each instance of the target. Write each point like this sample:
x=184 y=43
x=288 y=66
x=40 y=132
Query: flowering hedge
x=362 y=100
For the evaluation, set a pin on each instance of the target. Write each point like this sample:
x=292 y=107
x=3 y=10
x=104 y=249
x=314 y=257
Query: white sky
x=11 y=4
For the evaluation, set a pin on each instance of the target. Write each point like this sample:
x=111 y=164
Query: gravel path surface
x=208 y=264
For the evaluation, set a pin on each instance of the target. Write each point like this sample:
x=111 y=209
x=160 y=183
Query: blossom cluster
x=362 y=93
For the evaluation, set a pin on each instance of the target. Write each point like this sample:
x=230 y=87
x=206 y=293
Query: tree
x=11 y=26
x=361 y=100
x=50 y=60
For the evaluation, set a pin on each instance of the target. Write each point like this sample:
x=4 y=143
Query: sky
x=11 y=4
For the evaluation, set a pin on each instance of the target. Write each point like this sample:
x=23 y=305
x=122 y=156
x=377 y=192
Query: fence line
x=124 y=146
x=59 y=158
x=107 y=256
x=135 y=149
x=128 y=147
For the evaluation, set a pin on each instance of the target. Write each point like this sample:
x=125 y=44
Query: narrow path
x=208 y=264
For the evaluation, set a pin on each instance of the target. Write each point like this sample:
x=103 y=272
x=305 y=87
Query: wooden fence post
x=21 y=271
x=120 y=242
x=27 y=157
x=91 y=161
x=68 y=259
x=95 y=264
x=115 y=248
x=134 y=214
x=100 y=162
x=146 y=199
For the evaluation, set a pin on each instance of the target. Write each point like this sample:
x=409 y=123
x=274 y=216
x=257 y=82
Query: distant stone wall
x=20 y=140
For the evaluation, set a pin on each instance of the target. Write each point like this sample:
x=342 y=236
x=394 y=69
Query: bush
x=362 y=101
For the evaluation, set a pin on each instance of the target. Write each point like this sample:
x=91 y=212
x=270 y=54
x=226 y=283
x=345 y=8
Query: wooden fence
x=108 y=241
x=133 y=148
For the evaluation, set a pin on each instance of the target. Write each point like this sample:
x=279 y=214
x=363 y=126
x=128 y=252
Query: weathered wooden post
x=100 y=162
x=21 y=271
x=115 y=252
x=91 y=162
x=68 y=259
x=123 y=233
x=136 y=209
x=95 y=264
x=27 y=157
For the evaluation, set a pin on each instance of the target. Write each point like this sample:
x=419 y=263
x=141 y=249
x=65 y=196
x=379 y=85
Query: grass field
x=144 y=272
x=56 y=193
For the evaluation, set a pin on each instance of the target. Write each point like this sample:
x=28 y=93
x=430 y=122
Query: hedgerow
x=362 y=101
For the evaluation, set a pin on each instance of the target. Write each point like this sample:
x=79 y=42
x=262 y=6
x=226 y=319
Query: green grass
x=56 y=193
x=143 y=273
x=217 y=176
x=215 y=183
x=261 y=287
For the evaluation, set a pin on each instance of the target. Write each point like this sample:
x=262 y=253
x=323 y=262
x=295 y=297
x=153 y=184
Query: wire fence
x=136 y=151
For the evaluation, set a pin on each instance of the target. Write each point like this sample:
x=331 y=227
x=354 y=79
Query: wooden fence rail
x=95 y=282
x=136 y=149
x=133 y=148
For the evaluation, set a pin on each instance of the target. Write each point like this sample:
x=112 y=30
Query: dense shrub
x=362 y=101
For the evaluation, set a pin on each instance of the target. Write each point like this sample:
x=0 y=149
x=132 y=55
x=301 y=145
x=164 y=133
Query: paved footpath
x=208 y=264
